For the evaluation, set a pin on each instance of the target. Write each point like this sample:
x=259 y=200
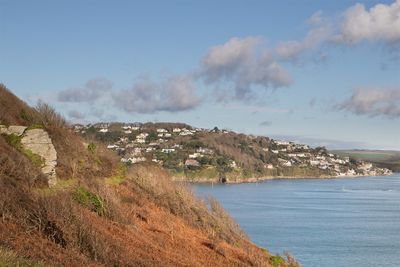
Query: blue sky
x=320 y=72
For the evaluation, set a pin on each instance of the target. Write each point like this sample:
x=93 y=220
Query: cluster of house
x=141 y=149
x=139 y=144
x=292 y=154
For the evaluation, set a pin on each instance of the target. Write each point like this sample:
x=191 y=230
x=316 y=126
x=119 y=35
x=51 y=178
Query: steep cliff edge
x=100 y=213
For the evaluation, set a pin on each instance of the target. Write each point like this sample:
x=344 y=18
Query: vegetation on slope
x=140 y=218
x=202 y=155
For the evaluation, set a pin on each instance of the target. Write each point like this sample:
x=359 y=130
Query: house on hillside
x=205 y=151
x=168 y=150
x=195 y=155
x=185 y=133
x=192 y=163
x=282 y=143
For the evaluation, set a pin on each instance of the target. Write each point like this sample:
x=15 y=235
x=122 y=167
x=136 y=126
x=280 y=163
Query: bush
x=37 y=160
x=14 y=141
x=277 y=261
x=49 y=116
x=92 y=148
x=89 y=200
x=181 y=201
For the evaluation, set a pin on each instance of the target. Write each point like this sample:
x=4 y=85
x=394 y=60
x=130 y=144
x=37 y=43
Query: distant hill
x=383 y=158
x=218 y=155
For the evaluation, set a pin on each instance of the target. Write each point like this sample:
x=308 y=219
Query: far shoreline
x=270 y=178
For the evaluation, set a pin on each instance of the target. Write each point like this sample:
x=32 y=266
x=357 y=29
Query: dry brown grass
x=49 y=117
x=14 y=111
x=144 y=219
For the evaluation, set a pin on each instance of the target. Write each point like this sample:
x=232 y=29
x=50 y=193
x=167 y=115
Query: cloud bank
x=242 y=63
x=93 y=90
x=373 y=102
x=239 y=68
x=321 y=30
x=380 y=23
x=176 y=93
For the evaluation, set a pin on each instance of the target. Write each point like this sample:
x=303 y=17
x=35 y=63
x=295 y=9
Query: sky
x=316 y=72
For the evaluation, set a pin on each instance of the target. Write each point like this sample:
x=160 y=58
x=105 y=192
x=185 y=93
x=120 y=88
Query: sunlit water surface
x=334 y=222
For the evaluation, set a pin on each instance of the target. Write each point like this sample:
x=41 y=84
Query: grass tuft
x=89 y=200
x=10 y=259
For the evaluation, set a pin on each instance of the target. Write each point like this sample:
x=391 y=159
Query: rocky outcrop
x=14 y=129
x=38 y=142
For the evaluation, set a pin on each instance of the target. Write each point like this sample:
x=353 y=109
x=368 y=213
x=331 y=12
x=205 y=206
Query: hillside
x=99 y=212
x=214 y=155
x=383 y=158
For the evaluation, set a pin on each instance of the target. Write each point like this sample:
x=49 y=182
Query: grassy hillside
x=102 y=213
x=214 y=155
x=383 y=158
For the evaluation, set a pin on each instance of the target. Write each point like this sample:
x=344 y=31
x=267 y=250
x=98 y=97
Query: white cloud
x=176 y=93
x=243 y=63
x=374 y=102
x=92 y=91
x=380 y=23
x=321 y=30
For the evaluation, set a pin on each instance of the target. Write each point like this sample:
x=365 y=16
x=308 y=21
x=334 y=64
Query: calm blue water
x=336 y=222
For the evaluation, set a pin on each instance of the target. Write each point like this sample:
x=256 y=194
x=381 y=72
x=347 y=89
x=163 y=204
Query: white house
x=205 y=150
x=282 y=143
x=168 y=150
x=133 y=160
x=184 y=133
x=269 y=166
x=195 y=155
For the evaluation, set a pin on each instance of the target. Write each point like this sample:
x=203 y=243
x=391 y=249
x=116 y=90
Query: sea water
x=322 y=222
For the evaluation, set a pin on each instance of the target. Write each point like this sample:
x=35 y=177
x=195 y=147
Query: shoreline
x=269 y=178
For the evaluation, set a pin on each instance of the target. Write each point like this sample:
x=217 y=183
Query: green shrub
x=277 y=261
x=15 y=141
x=92 y=148
x=89 y=200
x=37 y=160
x=119 y=176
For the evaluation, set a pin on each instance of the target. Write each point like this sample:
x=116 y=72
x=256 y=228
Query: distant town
x=199 y=154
